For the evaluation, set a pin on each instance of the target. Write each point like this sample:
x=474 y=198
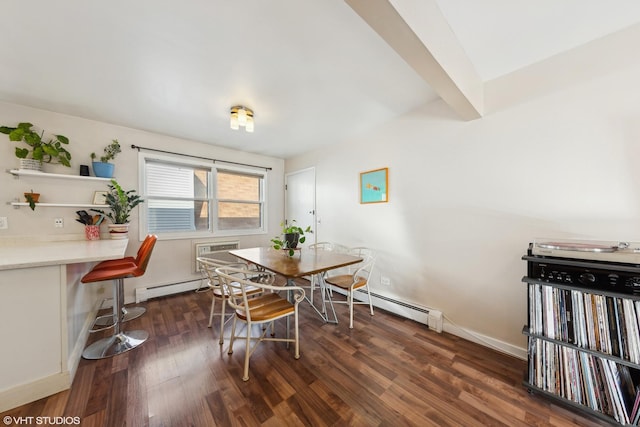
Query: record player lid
x=579 y=246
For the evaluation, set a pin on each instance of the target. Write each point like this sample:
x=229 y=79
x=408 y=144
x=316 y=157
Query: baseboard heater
x=144 y=294
x=430 y=317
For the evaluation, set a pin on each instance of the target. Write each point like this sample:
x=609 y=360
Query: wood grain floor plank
x=387 y=371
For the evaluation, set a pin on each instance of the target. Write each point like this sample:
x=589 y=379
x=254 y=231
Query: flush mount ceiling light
x=241 y=116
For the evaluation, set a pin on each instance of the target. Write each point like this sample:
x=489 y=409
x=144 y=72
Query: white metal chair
x=208 y=267
x=358 y=279
x=259 y=310
x=325 y=246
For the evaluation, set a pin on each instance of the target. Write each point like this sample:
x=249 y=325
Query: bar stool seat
x=130 y=313
x=120 y=341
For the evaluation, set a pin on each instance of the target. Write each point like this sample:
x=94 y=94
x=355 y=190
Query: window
x=239 y=199
x=186 y=199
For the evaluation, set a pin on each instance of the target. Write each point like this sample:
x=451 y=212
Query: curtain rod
x=136 y=147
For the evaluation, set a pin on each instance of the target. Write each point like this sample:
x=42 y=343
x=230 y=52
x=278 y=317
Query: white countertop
x=37 y=254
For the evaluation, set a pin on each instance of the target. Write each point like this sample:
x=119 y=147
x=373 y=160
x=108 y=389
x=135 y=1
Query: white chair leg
x=247 y=354
x=295 y=333
x=213 y=305
x=233 y=335
x=222 y=314
x=312 y=287
x=350 y=301
x=370 y=303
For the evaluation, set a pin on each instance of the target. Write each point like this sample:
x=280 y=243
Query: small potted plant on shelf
x=32 y=198
x=121 y=203
x=39 y=150
x=290 y=237
x=103 y=168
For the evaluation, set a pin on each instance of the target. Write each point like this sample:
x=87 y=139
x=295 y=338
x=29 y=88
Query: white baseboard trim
x=487 y=341
x=447 y=326
x=144 y=294
x=29 y=392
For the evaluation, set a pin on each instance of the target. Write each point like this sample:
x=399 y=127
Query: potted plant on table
x=290 y=237
x=39 y=150
x=103 y=168
x=121 y=203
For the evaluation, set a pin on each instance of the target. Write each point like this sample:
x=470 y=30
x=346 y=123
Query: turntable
x=619 y=252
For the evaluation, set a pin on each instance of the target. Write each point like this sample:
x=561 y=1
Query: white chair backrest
x=329 y=246
x=209 y=265
x=363 y=270
x=235 y=282
x=367 y=255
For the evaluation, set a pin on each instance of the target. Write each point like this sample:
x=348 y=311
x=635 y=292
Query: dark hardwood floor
x=387 y=371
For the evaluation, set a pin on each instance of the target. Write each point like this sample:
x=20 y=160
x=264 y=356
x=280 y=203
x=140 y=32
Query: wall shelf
x=24 y=172
x=17 y=173
x=59 y=205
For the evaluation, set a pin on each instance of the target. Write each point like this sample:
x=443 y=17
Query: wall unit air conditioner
x=218 y=250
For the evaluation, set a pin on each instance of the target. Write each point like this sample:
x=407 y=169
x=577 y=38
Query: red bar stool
x=120 y=341
x=127 y=313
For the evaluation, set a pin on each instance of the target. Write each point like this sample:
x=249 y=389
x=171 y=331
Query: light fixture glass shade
x=234 y=121
x=249 y=126
x=241 y=117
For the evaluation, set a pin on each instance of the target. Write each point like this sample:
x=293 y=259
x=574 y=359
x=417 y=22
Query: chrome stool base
x=129 y=314
x=115 y=344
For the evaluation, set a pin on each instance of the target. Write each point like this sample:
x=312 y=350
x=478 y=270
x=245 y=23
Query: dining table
x=304 y=262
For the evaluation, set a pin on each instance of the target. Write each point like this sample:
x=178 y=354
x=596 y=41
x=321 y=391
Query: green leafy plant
x=44 y=151
x=120 y=202
x=290 y=237
x=110 y=152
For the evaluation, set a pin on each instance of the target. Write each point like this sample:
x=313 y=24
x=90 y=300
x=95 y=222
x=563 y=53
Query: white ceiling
x=314 y=71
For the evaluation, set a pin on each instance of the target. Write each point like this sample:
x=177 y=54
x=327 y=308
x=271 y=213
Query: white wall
x=172 y=260
x=466 y=198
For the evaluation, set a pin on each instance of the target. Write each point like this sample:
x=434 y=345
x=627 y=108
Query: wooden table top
x=304 y=262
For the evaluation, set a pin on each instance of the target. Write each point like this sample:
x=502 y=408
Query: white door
x=300 y=200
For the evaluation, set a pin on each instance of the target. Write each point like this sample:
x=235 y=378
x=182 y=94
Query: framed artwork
x=100 y=198
x=374 y=186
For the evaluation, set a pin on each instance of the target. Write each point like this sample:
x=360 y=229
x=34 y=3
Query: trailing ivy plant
x=110 y=152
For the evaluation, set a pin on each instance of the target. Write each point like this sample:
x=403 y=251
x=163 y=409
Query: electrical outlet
x=58 y=222
x=4 y=223
x=385 y=281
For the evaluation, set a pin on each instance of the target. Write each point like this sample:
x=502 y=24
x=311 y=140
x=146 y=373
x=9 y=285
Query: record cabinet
x=583 y=335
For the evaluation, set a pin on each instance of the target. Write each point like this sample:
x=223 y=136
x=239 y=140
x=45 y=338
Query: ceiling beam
x=418 y=32
x=583 y=63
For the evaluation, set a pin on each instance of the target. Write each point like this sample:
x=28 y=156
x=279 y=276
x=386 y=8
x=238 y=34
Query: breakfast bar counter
x=46 y=313
x=38 y=254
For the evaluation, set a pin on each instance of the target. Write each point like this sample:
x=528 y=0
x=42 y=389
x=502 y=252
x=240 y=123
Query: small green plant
x=44 y=151
x=290 y=237
x=120 y=202
x=32 y=198
x=110 y=152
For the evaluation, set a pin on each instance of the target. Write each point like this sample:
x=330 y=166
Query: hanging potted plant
x=290 y=237
x=39 y=150
x=121 y=203
x=103 y=168
x=32 y=198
